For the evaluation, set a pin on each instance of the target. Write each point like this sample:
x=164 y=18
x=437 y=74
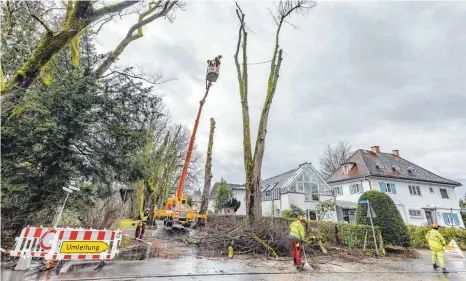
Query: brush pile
x=267 y=237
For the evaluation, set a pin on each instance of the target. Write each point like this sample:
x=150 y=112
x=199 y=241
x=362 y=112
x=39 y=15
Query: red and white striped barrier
x=67 y=243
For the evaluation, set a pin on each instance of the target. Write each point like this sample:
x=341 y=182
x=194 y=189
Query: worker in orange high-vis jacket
x=296 y=237
x=436 y=244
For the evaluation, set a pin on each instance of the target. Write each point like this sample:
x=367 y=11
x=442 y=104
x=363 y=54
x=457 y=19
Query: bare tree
x=253 y=162
x=208 y=168
x=78 y=16
x=333 y=157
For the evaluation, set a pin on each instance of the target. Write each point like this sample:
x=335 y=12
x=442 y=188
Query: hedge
x=418 y=235
x=325 y=229
x=388 y=218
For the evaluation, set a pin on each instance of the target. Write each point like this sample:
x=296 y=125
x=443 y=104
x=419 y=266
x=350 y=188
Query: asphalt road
x=255 y=270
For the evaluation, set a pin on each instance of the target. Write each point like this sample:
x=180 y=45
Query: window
x=306 y=177
x=396 y=168
x=380 y=166
x=451 y=219
x=300 y=187
x=431 y=190
x=411 y=170
x=387 y=187
x=415 y=190
x=267 y=193
x=415 y=213
x=307 y=187
x=444 y=193
x=338 y=190
x=346 y=169
x=356 y=188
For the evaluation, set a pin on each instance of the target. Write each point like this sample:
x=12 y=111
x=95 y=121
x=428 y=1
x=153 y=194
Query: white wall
x=240 y=195
x=405 y=201
x=269 y=208
x=347 y=196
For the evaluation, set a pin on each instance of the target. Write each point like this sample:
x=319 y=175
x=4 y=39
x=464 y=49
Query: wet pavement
x=180 y=262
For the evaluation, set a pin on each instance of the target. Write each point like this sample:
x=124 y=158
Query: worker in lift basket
x=296 y=237
x=436 y=244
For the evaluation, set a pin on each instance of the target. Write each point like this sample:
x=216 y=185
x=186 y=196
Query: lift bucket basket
x=212 y=73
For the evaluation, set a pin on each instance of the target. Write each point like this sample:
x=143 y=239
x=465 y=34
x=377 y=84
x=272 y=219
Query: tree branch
x=115 y=8
x=46 y=26
x=130 y=36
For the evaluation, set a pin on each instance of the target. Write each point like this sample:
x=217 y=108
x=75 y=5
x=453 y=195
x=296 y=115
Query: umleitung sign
x=83 y=247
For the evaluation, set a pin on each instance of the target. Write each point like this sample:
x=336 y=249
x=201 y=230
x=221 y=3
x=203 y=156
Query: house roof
x=367 y=162
x=233 y=186
x=282 y=180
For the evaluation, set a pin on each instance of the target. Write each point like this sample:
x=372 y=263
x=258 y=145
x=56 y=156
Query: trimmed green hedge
x=388 y=218
x=418 y=235
x=355 y=231
x=326 y=230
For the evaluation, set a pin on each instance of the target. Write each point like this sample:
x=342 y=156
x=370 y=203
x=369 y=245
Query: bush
x=417 y=235
x=463 y=215
x=388 y=218
x=293 y=212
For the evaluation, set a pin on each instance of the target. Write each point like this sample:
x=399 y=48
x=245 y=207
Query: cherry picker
x=178 y=213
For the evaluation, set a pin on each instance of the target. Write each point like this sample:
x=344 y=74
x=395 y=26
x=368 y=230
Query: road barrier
x=67 y=244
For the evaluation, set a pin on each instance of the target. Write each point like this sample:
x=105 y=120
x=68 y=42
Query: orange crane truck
x=177 y=213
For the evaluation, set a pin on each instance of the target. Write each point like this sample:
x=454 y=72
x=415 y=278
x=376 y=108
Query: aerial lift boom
x=177 y=210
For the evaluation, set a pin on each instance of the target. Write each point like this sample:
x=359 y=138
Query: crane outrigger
x=177 y=212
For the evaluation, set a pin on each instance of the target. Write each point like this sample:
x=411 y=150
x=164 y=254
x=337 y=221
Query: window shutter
x=361 y=188
x=341 y=190
x=393 y=188
x=351 y=188
x=382 y=187
x=455 y=218
x=445 y=219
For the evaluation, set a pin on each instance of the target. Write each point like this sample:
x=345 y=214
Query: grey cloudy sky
x=370 y=73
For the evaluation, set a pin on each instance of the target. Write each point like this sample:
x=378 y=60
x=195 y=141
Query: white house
x=421 y=196
x=302 y=187
x=239 y=193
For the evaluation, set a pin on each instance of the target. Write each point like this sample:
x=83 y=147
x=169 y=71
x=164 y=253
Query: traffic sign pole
x=62 y=208
x=369 y=210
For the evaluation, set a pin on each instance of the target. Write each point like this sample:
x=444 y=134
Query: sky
x=369 y=73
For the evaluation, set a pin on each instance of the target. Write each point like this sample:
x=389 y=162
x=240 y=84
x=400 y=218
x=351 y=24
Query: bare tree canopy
x=333 y=156
x=253 y=161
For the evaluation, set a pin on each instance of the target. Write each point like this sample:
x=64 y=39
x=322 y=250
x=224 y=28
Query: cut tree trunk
x=208 y=168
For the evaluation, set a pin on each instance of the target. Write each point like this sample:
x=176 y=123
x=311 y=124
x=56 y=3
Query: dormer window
x=346 y=169
x=396 y=168
x=411 y=170
x=380 y=166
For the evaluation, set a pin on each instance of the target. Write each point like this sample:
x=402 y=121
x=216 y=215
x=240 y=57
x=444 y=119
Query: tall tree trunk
x=208 y=168
x=242 y=73
x=253 y=162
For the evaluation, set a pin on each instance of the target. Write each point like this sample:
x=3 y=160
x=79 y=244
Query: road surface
x=192 y=268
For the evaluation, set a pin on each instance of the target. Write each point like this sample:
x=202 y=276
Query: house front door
x=430 y=217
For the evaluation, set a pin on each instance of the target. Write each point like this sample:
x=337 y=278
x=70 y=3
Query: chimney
x=375 y=149
x=396 y=152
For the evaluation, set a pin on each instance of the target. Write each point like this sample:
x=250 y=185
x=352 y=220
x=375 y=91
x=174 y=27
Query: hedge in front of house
x=354 y=231
x=388 y=218
x=417 y=235
x=324 y=229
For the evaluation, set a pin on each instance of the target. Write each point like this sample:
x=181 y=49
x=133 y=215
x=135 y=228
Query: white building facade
x=239 y=193
x=302 y=187
x=422 y=197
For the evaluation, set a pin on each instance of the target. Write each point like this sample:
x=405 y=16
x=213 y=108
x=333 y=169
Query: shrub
x=463 y=215
x=293 y=212
x=388 y=218
x=417 y=235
